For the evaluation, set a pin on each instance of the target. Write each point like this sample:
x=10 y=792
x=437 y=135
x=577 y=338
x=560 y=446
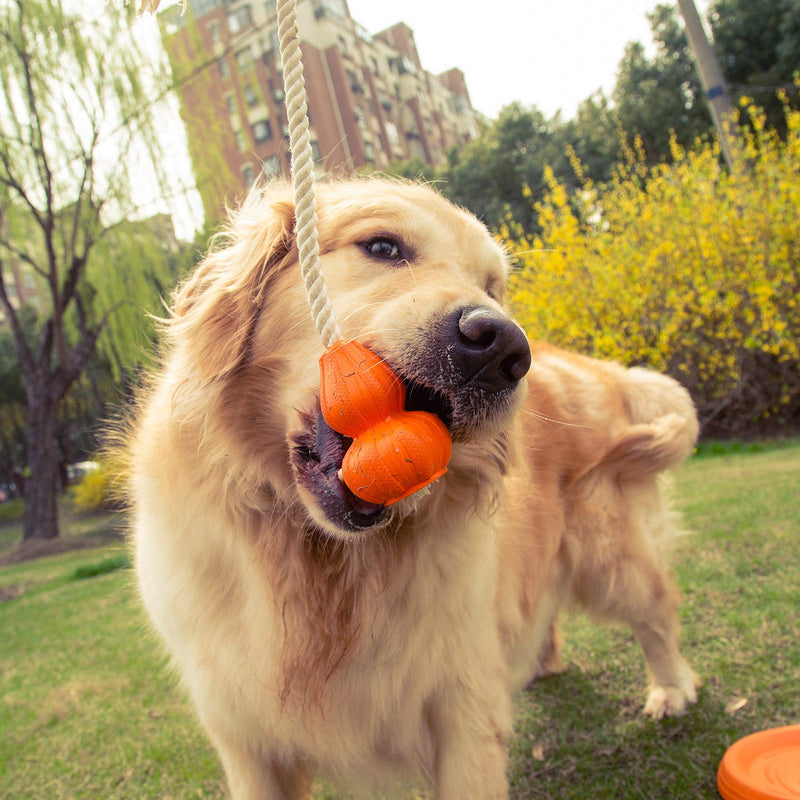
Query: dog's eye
x=384 y=248
x=495 y=291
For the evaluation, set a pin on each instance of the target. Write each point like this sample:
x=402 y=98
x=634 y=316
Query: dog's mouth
x=318 y=452
x=424 y=398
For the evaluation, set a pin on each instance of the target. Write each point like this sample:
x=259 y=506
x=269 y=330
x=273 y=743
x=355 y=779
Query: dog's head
x=418 y=281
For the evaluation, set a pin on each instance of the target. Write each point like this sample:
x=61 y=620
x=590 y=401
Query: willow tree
x=75 y=98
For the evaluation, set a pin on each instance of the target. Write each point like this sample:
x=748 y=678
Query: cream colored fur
x=394 y=652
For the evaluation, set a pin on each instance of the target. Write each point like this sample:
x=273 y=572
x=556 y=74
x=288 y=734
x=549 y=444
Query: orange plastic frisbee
x=762 y=766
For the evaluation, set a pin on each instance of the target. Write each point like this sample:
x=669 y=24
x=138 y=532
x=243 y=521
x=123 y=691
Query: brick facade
x=370 y=101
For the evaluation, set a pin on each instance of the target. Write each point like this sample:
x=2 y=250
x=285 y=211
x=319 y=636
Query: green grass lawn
x=89 y=709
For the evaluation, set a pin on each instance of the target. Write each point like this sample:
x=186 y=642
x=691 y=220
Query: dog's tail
x=663 y=426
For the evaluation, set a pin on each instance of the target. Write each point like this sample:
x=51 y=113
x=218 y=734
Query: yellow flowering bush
x=683 y=267
x=97 y=489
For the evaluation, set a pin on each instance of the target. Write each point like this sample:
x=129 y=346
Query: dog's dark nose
x=489 y=350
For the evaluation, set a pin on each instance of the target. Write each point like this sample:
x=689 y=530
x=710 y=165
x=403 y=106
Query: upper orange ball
x=357 y=390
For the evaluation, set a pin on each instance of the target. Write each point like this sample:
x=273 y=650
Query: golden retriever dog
x=319 y=633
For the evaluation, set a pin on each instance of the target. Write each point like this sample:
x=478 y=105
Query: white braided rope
x=303 y=173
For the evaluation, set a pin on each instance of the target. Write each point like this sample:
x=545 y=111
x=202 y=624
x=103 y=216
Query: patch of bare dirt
x=11 y=592
x=39 y=548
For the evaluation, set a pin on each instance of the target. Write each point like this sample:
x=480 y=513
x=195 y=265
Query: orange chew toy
x=394 y=452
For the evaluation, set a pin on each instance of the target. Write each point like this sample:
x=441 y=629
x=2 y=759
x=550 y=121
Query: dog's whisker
x=367 y=333
x=361 y=308
x=413 y=274
x=515 y=253
x=529 y=412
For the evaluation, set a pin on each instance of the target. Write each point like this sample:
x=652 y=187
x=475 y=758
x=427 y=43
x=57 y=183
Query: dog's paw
x=671 y=701
x=666 y=701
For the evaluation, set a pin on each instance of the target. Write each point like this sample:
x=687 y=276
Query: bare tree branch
x=46 y=179
x=42 y=164
x=87 y=176
x=23 y=256
x=7 y=179
x=23 y=351
x=71 y=280
x=45 y=347
x=78 y=357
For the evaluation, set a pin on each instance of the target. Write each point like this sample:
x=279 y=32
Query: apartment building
x=370 y=101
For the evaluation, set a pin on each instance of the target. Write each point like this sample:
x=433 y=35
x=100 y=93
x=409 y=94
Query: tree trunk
x=41 y=488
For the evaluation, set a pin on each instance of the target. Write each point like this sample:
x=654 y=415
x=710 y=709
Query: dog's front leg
x=262 y=774
x=470 y=733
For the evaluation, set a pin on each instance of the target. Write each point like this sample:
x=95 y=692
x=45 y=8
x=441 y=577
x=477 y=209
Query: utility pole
x=714 y=86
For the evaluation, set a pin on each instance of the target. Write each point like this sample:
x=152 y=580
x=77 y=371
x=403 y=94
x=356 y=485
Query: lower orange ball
x=397 y=457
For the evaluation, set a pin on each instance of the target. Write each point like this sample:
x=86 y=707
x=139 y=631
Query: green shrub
x=12 y=510
x=110 y=564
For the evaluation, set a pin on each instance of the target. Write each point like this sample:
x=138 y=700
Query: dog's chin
x=317 y=454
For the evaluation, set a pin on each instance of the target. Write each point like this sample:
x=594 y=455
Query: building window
x=334 y=7
x=249 y=175
x=213 y=32
x=230 y=101
x=201 y=7
x=239 y=19
x=459 y=104
x=369 y=152
x=355 y=82
x=224 y=72
x=241 y=145
x=361 y=118
x=392 y=135
x=262 y=131
x=416 y=150
x=271 y=167
x=250 y=95
x=315 y=154
x=244 y=59
x=406 y=66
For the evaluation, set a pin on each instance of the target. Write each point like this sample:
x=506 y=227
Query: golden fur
x=392 y=651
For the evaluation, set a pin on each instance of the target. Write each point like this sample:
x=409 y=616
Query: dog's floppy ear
x=215 y=310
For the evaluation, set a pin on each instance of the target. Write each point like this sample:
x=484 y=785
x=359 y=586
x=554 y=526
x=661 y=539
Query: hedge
x=683 y=267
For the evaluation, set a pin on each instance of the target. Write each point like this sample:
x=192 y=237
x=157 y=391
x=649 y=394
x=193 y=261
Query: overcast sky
x=547 y=53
